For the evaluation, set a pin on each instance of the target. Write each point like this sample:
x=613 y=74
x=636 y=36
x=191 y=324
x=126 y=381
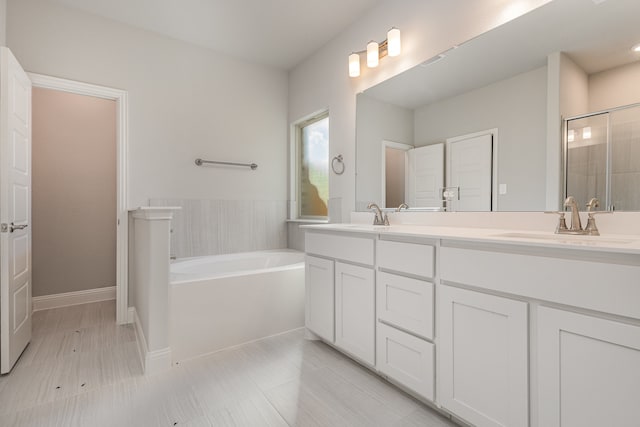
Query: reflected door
x=15 y=210
x=426 y=176
x=469 y=168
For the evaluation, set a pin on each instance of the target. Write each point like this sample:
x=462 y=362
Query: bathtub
x=222 y=301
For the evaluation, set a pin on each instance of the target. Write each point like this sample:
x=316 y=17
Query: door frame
x=383 y=171
x=494 y=160
x=121 y=99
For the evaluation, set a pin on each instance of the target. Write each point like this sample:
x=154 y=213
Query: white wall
x=616 y=87
x=428 y=28
x=185 y=102
x=517 y=108
x=3 y=22
x=567 y=95
x=384 y=122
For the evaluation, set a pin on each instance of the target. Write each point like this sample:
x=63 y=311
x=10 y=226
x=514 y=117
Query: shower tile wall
x=213 y=227
x=625 y=164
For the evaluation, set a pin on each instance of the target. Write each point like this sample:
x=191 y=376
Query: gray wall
x=3 y=22
x=517 y=108
x=377 y=121
x=74 y=192
x=615 y=87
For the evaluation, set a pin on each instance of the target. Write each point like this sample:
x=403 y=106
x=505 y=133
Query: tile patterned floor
x=81 y=369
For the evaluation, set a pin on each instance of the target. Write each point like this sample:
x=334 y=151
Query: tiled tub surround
x=214 y=227
x=486 y=322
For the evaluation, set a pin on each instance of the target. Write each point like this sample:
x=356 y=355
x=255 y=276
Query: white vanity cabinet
x=404 y=297
x=588 y=370
x=483 y=365
x=340 y=292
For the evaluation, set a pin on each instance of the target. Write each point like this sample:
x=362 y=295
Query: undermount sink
x=566 y=238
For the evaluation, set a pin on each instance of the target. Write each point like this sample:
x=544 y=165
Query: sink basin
x=567 y=238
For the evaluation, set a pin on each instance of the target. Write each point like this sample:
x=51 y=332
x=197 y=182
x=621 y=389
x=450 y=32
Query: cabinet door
x=405 y=359
x=355 y=311
x=589 y=370
x=482 y=357
x=319 y=307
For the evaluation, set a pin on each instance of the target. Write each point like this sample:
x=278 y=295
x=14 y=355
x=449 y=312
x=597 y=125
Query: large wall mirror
x=473 y=128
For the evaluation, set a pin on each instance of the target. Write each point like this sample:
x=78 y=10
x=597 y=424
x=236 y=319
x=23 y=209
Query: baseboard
x=73 y=298
x=152 y=362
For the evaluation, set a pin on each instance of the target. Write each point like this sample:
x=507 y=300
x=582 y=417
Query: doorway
x=85 y=96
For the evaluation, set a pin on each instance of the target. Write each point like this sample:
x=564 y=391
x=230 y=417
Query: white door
x=426 y=176
x=469 y=167
x=15 y=210
x=319 y=307
x=483 y=369
x=589 y=371
x=355 y=311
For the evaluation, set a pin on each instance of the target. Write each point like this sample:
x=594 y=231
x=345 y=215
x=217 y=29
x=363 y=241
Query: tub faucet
x=576 y=225
x=380 y=218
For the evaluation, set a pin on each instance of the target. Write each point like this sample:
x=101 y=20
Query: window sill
x=308 y=221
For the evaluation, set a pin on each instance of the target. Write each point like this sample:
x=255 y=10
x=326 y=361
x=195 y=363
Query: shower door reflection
x=603 y=158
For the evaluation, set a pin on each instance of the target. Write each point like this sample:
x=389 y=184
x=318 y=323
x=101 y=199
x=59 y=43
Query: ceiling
x=278 y=33
x=596 y=35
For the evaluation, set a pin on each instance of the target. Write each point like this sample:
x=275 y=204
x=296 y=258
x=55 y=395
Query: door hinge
x=4 y=228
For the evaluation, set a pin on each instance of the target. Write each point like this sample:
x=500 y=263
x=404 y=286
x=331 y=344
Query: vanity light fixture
x=586 y=132
x=392 y=46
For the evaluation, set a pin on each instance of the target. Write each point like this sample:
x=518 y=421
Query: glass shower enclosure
x=602 y=158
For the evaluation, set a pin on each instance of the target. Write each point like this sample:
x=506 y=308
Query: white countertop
x=617 y=243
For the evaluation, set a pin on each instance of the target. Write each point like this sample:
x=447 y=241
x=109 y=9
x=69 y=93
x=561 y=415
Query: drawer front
x=348 y=248
x=408 y=258
x=406 y=359
x=406 y=303
x=606 y=287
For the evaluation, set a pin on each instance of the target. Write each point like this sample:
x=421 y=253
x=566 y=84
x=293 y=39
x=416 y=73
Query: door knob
x=13 y=227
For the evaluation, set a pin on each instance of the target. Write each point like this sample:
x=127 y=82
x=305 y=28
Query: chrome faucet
x=576 y=225
x=380 y=218
x=402 y=206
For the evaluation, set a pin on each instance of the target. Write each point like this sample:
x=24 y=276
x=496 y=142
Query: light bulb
x=372 y=54
x=571 y=135
x=394 y=46
x=354 y=65
x=586 y=132
x=636 y=48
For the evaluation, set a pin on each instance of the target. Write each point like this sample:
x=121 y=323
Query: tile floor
x=81 y=369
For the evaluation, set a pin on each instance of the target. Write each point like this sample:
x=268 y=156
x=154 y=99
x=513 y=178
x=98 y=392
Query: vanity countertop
x=616 y=243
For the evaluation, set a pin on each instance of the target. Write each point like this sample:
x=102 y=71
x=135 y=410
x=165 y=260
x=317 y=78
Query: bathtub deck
x=81 y=369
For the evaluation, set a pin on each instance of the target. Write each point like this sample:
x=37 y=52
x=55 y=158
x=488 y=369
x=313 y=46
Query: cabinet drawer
x=406 y=303
x=600 y=286
x=406 y=359
x=348 y=248
x=408 y=258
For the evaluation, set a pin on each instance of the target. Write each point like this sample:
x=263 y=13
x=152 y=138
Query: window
x=312 y=166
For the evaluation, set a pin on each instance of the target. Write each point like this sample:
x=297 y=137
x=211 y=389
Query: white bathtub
x=225 y=300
